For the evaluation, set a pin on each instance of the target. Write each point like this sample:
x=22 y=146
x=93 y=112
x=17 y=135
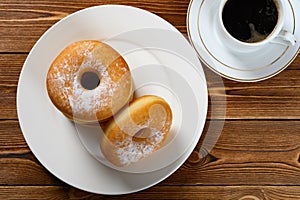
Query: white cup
x=278 y=35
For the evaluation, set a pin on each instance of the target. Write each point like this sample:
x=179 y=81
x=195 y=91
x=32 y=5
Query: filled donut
x=89 y=81
x=137 y=131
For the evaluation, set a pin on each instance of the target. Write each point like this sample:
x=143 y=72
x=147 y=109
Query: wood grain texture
x=11 y=138
x=10 y=68
x=276 y=98
x=22 y=23
x=254 y=155
x=162 y=192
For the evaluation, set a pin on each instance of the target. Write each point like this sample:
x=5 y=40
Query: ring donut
x=89 y=81
x=137 y=131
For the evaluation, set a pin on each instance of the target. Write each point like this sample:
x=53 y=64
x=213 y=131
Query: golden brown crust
x=137 y=131
x=78 y=103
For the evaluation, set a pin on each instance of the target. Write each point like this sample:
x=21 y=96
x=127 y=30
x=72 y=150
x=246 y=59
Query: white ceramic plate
x=54 y=139
x=250 y=67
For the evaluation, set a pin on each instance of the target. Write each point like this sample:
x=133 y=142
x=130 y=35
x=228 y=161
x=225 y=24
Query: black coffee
x=250 y=20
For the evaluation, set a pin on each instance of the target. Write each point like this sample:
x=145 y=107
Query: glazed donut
x=137 y=131
x=89 y=81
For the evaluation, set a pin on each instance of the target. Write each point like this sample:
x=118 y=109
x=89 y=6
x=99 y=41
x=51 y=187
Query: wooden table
x=256 y=156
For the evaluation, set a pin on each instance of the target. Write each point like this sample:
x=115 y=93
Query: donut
x=137 y=131
x=89 y=82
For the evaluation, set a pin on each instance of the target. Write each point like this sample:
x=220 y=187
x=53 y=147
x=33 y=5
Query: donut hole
x=90 y=80
x=141 y=134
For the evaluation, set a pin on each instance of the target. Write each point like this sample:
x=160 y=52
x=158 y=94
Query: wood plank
x=33 y=192
x=157 y=192
x=11 y=138
x=247 y=153
x=22 y=23
x=276 y=98
x=24 y=169
x=10 y=68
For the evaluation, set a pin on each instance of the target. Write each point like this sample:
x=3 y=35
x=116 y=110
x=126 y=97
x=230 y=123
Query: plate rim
x=177 y=164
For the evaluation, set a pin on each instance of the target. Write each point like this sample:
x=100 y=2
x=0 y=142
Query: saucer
x=202 y=18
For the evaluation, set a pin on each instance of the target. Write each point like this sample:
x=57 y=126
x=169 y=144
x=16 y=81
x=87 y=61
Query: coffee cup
x=249 y=25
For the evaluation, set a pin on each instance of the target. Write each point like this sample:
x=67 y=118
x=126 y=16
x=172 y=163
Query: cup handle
x=285 y=37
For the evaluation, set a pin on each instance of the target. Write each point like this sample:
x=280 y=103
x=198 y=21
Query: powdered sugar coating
x=83 y=100
x=130 y=151
x=64 y=81
x=137 y=131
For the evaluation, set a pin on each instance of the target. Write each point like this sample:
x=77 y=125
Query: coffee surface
x=250 y=20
